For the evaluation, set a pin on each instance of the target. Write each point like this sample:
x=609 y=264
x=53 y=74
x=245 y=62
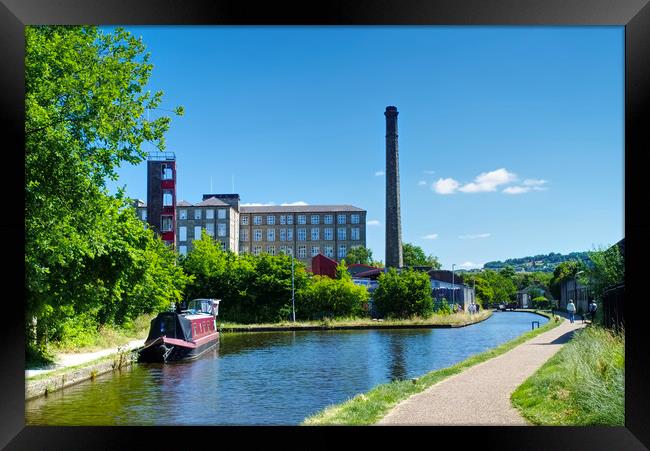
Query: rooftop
x=299 y=208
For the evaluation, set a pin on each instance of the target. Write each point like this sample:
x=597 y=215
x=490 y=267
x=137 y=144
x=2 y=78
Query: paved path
x=67 y=360
x=481 y=394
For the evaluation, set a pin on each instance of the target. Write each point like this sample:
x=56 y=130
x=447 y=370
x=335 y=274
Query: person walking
x=592 y=310
x=571 y=308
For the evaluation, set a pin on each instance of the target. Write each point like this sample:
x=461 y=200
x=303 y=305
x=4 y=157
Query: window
x=221 y=231
x=329 y=219
x=283 y=219
x=197 y=214
x=182 y=250
x=257 y=220
x=243 y=234
x=182 y=233
x=166 y=223
x=221 y=213
x=302 y=234
x=289 y=250
x=340 y=233
x=315 y=234
x=289 y=234
x=224 y=246
x=329 y=234
x=315 y=219
x=289 y=219
x=209 y=213
x=197 y=232
x=270 y=250
x=167 y=198
x=270 y=235
x=144 y=215
x=283 y=234
x=270 y=220
x=354 y=235
x=329 y=251
x=302 y=219
x=314 y=251
x=244 y=220
x=302 y=251
x=257 y=250
x=209 y=228
x=257 y=235
x=182 y=214
x=354 y=219
x=342 y=251
x=244 y=249
x=341 y=219
x=167 y=173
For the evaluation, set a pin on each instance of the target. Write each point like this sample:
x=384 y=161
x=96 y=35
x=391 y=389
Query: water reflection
x=269 y=377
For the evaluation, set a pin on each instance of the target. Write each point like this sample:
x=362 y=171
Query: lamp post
x=453 y=286
x=293 y=300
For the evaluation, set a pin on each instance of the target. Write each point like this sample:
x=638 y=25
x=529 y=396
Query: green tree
x=608 y=269
x=564 y=271
x=360 y=255
x=403 y=294
x=341 y=272
x=332 y=298
x=413 y=255
x=85 y=251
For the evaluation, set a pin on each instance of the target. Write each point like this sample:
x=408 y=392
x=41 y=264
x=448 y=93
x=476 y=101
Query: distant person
x=592 y=310
x=477 y=307
x=571 y=308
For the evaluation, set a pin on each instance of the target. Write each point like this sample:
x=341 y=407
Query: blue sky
x=511 y=139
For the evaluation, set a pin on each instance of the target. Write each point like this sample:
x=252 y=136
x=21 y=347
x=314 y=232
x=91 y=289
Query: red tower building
x=161 y=195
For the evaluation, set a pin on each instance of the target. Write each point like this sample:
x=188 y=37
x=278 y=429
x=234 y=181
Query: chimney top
x=391 y=110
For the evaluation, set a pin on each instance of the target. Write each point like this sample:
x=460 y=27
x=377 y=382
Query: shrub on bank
x=404 y=294
x=541 y=303
x=334 y=298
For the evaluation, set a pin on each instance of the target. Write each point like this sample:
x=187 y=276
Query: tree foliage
x=413 y=255
x=404 y=294
x=608 y=269
x=359 y=255
x=333 y=298
x=86 y=253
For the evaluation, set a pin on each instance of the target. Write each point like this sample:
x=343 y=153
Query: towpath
x=480 y=395
x=74 y=359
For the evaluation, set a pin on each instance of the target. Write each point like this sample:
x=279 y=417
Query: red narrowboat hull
x=164 y=349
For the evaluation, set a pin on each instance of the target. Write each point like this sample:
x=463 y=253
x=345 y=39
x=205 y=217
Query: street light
x=453 y=286
x=293 y=297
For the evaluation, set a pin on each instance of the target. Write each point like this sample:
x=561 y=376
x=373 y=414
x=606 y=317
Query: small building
x=572 y=289
x=448 y=285
x=525 y=296
x=323 y=266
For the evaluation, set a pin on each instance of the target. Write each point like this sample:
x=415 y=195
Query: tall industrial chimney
x=393 y=220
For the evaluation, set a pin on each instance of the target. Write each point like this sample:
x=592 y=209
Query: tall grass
x=583 y=384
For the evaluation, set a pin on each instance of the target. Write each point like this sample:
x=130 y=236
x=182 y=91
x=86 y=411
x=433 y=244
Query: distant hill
x=543 y=263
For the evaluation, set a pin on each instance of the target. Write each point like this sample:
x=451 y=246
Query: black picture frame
x=634 y=15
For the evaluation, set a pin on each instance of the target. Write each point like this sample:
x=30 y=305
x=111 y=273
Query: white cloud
x=432 y=236
x=470 y=265
x=379 y=173
x=292 y=204
x=429 y=172
x=474 y=237
x=373 y=222
x=516 y=189
x=534 y=182
x=488 y=181
x=445 y=186
x=422 y=183
x=254 y=204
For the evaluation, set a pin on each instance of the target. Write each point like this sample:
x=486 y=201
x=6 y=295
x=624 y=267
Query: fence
x=614 y=307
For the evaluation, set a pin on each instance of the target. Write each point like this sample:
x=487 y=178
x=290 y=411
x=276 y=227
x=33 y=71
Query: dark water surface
x=276 y=378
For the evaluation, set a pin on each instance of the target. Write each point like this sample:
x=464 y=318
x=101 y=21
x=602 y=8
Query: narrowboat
x=182 y=334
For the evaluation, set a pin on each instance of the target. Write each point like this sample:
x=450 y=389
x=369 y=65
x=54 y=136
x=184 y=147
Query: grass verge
x=581 y=385
x=454 y=320
x=368 y=408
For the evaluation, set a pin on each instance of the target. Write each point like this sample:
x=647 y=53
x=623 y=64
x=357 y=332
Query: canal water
x=270 y=378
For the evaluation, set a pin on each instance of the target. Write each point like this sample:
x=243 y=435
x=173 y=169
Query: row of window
x=328 y=250
x=301 y=219
x=182 y=249
x=209 y=213
x=301 y=234
x=209 y=228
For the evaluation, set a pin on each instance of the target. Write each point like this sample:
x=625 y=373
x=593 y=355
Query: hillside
x=543 y=263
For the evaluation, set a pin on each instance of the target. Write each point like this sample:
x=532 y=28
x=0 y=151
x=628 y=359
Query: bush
x=443 y=308
x=541 y=303
x=333 y=298
x=404 y=294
